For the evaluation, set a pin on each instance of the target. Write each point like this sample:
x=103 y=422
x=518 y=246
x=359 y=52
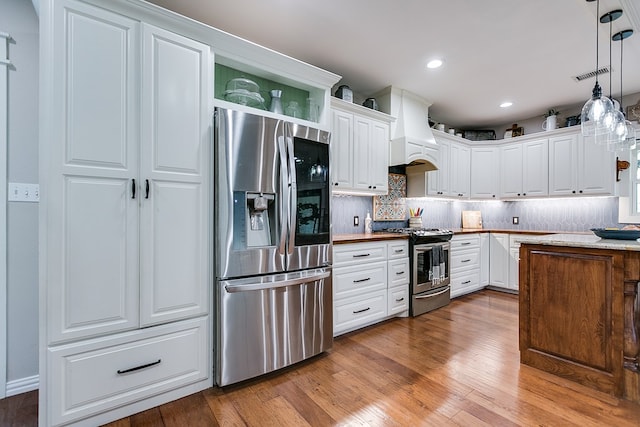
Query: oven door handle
x=433 y=295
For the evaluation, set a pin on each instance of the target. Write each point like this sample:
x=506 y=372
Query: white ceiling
x=522 y=51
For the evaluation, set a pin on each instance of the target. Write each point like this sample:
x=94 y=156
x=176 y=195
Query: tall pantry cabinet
x=125 y=195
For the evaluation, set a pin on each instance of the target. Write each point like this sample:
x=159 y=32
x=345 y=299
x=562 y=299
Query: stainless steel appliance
x=272 y=244
x=430 y=260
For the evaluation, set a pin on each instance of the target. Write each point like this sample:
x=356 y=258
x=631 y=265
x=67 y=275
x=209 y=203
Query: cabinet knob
x=370 y=187
x=580 y=191
x=336 y=184
x=518 y=194
x=524 y=194
x=374 y=187
x=574 y=191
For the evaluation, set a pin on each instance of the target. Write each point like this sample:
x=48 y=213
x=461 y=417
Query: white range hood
x=412 y=142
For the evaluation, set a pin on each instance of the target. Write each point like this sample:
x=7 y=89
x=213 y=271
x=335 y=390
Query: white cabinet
x=459 y=170
x=437 y=182
x=360 y=149
x=465 y=264
x=370 y=283
x=485 y=172
x=524 y=169
x=499 y=259
x=484 y=259
x=452 y=178
x=125 y=182
x=578 y=166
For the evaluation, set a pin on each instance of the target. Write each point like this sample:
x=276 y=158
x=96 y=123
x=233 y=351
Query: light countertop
x=586 y=240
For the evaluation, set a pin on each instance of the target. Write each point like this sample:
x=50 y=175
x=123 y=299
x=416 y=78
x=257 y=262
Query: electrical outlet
x=516 y=220
x=356 y=221
x=20 y=192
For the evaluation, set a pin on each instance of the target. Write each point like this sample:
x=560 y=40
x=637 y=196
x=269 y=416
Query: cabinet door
x=379 y=157
x=438 y=180
x=535 y=168
x=342 y=150
x=596 y=168
x=514 y=260
x=484 y=259
x=361 y=153
x=174 y=194
x=91 y=234
x=563 y=165
x=499 y=258
x=511 y=170
x=484 y=173
x=459 y=169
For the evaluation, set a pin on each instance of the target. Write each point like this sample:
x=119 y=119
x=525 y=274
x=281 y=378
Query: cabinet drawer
x=397 y=249
x=356 y=312
x=465 y=260
x=398 y=272
x=464 y=283
x=359 y=253
x=398 y=299
x=354 y=280
x=102 y=374
x=466 y=241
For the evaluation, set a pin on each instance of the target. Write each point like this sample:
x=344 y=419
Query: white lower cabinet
x=102 y=374
x=465 y=264
x=370 y=283
x=499 y=260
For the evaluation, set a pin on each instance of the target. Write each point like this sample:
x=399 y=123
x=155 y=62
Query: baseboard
x=23 y=385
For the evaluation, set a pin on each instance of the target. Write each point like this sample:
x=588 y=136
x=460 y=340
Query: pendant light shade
x=598 y=107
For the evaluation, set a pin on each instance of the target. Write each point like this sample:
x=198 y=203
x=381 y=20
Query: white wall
x=18 y=18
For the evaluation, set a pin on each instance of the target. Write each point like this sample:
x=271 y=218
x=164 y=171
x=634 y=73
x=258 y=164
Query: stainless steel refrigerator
x=272 y=244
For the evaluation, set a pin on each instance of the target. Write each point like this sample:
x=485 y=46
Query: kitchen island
x=579 y=310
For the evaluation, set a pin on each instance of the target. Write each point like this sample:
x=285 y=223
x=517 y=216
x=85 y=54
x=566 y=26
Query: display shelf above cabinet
x=309 y=101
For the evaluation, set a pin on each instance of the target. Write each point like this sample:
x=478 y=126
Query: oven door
x=430 y=266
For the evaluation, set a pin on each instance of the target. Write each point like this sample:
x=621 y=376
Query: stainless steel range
x=429 y=261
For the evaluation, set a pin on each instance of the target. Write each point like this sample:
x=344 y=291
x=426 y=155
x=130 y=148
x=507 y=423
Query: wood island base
x=580 y=315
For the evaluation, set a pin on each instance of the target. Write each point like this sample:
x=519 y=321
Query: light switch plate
x=21 y=192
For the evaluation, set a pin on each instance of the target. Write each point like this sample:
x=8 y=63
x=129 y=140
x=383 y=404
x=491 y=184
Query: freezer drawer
x=269 y=322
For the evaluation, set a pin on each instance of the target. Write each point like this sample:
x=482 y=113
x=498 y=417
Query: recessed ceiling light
x=434 y=63
x=506 y=104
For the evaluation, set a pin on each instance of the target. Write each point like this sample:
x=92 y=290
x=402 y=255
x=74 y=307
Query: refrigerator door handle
x=284 y=195
x=293 y=195
x=245 y=285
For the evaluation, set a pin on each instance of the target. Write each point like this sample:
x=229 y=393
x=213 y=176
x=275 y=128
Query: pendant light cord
x=597 y=37
x=610 y=60
x=621 y=53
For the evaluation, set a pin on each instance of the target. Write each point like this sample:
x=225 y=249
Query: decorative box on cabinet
x=465 y=264
x=360 y=149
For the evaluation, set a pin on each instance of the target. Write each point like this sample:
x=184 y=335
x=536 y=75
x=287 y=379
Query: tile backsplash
x=575 y=214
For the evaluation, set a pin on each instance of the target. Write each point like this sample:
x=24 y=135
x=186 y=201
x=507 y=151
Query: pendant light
x=595 y=109
x=629 y=142
x=614 y=119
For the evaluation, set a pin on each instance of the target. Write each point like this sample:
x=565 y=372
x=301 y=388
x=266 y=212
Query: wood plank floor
x=458 y=365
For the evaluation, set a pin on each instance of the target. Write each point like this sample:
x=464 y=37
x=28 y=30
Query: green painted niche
x=223 y=74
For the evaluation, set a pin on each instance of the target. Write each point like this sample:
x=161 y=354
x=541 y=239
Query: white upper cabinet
x=524 y=169
x=577 y=166
x=485 y=172
x=459 y=170
x=438 y=180
x=360 y=149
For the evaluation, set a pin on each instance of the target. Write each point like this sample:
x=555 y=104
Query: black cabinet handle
x=361 y=255
x=362 y=311
x=399 y=272
x=465 y=260
x=133 y=188
x=401 y=299
x=137 y=368
x=362 y=280
x=399 y=251
x=465 y=243
x=146 y=196
x=466 y=282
